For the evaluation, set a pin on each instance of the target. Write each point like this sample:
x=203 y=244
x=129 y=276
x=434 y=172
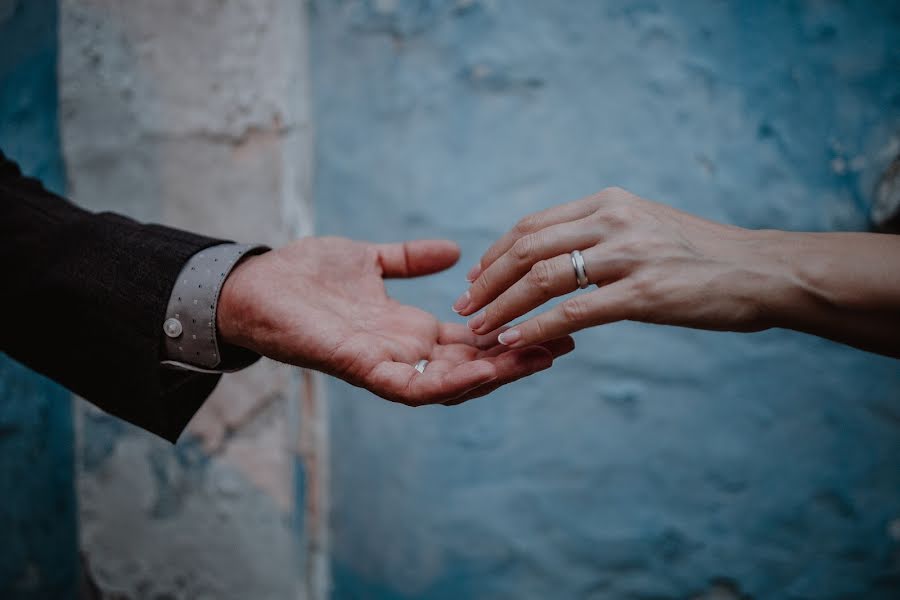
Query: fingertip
x=446 y=249
x=474 y=272
x=472 y=374
x=476 y=323
x=451 y=248
x=486 y=371
x=477 y=374
x=468 y=310
x=430 y=256
x=439 y=244
x=538 y=358
x=530 y=359
x=511 y=338
x=488 y=340
x=462 y=302
x=560 y=346
x=532 y=332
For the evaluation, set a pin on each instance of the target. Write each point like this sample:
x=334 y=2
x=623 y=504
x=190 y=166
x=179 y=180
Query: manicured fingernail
x=474 y=272
x=462 y=302
x=476 y=321
x=509 y=337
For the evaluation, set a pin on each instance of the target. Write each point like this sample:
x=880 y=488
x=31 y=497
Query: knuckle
x=646 y=290
x=574 y=310
x=540 y=277
x=614 y=191
x=527 y=224
x=523 y=248
x=629 y=247
x=618 y=216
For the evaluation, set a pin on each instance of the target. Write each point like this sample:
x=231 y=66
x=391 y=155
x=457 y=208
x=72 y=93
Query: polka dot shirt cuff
x=190 y=340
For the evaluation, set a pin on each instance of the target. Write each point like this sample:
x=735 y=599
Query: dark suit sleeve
x=84 y=297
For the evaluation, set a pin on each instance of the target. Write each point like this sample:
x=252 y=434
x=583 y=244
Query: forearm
x=842 y=286
x=86 y=294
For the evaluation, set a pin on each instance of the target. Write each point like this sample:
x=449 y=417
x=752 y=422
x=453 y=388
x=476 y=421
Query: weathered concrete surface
x=655 y=462
x=196 y=115
x=163 y=522
x=38 y=540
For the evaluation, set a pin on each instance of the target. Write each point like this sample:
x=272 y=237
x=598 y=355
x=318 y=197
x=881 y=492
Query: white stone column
x=196 y=114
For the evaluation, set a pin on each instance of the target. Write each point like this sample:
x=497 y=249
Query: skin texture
x=321 y=303
x=656 y=264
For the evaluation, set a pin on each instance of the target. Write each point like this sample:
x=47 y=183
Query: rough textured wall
x=654 y=462
x=195 y=114
x=38 y=547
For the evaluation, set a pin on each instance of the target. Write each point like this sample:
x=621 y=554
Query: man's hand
x=320 y=303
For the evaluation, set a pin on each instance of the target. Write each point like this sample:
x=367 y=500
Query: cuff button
x=172 y=328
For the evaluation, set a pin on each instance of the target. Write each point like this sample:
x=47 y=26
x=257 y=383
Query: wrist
x=233 y=314
x=784 y=296
x=190 y=339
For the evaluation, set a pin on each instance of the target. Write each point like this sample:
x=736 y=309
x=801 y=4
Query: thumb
x=419 y=257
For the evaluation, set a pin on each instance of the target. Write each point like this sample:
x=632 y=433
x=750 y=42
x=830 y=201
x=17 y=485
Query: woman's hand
x=652 y=263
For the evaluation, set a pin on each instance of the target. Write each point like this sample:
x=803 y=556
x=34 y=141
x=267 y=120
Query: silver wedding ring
x=580 y=274
x=420 y=366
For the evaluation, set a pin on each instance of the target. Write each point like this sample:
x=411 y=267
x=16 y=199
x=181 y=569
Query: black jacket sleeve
x=84 y=298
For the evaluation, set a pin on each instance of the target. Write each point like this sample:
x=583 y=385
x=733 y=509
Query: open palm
x=321 y=303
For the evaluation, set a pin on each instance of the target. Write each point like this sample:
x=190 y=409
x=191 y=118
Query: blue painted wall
x=654 y=462
x=38 y=546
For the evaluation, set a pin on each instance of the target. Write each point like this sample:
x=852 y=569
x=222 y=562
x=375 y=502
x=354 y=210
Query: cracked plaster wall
x=195 y=114
x=654 y=462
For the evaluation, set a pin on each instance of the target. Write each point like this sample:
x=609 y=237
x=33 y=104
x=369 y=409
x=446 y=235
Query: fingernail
x=509 y=337
x=476 y=321
x=462 y=302
x=474 y=272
